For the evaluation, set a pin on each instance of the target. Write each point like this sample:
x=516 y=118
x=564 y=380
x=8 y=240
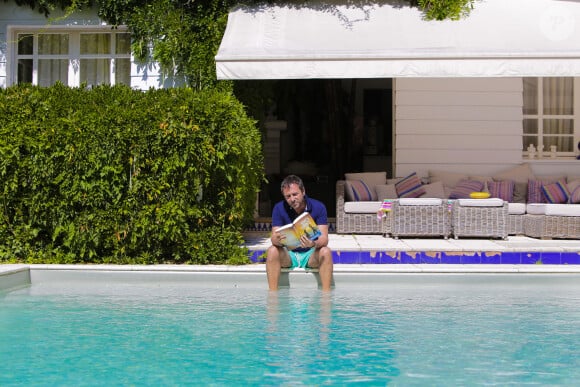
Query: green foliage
x=117 y=175
x=445 y=9
x=183 y=36
x=47 y=6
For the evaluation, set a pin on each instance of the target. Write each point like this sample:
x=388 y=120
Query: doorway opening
x=320 y=129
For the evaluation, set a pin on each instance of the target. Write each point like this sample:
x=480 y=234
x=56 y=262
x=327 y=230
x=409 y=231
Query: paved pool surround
x=378 y=250
x=85 y=277
x=360 y=261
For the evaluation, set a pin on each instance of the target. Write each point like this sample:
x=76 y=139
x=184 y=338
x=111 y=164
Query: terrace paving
x=376 y=249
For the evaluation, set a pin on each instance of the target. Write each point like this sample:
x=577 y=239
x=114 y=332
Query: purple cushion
x=410 y=187
x=556 y=193
x=464 y=188
x=575 y=196
x=503 y=189
x=358 y=190
x=535 y=194
x=535 y=191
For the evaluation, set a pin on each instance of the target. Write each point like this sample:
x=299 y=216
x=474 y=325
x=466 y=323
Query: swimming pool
x=413 y=330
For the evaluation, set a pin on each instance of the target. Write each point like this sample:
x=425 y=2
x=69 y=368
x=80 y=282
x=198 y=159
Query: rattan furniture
x=420 y=217
x=515 y=219
x=515 y=224
x=553 y=221
x=480 y=218
x=359 y=222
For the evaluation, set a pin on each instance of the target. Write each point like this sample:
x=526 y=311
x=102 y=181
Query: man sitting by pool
x=311 y=253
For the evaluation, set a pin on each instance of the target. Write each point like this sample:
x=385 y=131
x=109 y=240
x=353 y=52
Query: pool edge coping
x=223 y=276
x=6 y=269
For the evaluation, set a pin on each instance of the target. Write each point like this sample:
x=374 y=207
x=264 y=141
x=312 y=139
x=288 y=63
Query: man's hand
x=278 y=239
x=306 y=242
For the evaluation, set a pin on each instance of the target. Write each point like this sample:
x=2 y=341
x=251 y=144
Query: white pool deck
x=341 y=242
x=359 y=275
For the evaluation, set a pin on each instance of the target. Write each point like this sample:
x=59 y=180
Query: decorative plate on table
x=479 y=195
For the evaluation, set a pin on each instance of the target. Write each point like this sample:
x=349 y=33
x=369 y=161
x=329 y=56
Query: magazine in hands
x=302 y=225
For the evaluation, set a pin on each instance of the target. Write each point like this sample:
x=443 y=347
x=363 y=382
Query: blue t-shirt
x=283 y=214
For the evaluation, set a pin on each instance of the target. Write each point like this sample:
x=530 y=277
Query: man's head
x=293 y=191
x=291 y=179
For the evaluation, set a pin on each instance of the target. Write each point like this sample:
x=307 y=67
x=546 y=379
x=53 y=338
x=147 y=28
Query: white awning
x=500 y=38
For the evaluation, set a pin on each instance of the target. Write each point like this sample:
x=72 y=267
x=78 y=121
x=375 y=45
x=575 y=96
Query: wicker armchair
x=479 y=221
x=357 y=223
x=421 y=218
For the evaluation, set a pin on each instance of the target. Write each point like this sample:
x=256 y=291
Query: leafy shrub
x=112 y=174
x=445 y=9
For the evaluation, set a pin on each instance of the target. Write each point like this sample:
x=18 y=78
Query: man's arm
x=322 y=239
x=276 y=238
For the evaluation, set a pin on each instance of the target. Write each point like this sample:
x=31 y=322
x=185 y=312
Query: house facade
x=75 y=49
x=472 y=95
x=462 y=100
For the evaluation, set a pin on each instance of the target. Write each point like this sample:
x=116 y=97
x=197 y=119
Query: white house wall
x=143 y=76
x=2 y=58
x=469 y=125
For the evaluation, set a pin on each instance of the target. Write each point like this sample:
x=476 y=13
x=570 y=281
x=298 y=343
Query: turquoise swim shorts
x=300 y=258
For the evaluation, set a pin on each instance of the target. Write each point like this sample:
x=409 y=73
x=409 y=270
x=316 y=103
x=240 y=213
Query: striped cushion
x=535 y=191
x=410 y=187
x=575 y=196
x=535 y=194
x=556 y=193
x=464 y=188
x=358 y=191
x=503 y=189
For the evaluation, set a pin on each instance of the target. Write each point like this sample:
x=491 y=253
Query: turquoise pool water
x=434 y=332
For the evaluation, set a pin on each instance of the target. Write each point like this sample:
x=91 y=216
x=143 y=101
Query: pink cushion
x=575 y=196
x=464 y=188
x=503 y=189
x=535 y=194
x=410 y=187
x=535 y=191
x=556 y=193
x=358 y=191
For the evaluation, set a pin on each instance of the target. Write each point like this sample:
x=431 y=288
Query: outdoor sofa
x=536 y=206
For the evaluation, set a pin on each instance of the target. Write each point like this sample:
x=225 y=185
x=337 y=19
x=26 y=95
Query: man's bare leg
x=276 y=257
x=323 y=261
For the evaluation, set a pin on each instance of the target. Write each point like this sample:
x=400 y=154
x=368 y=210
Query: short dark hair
x=291 y=179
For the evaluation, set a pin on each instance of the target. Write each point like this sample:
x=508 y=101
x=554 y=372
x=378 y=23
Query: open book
x=303 y=224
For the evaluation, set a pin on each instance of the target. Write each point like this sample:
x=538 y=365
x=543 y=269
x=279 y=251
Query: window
x=550 y=114
x=72 y=57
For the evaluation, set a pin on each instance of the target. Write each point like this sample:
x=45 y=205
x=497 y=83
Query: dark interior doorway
x=318 y=130
x=378 y=115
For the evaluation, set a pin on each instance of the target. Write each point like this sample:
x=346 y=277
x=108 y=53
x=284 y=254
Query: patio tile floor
x=376 y=249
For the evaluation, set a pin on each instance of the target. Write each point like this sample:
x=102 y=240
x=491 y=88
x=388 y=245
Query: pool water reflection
x=431 y=332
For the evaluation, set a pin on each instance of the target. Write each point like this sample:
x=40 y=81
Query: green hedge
x=115 y=175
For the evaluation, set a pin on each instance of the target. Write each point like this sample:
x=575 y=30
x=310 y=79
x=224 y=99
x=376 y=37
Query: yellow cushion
x=479 y=195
